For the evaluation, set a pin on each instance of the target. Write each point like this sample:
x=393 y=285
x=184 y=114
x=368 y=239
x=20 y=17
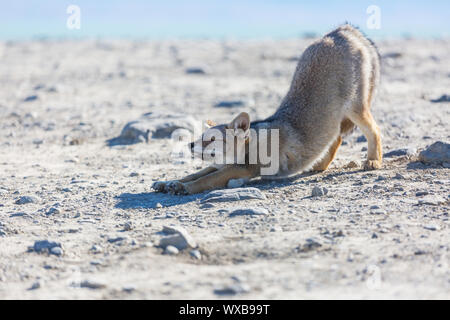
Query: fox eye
x=213 y=138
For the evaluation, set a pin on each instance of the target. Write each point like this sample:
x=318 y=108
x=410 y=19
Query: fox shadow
x=151 y=200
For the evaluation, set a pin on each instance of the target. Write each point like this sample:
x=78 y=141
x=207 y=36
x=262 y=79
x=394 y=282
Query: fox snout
x=192 y=148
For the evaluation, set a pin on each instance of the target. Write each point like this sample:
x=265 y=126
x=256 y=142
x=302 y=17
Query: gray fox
x=331 y=92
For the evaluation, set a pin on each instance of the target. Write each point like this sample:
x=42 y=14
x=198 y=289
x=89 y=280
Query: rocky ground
x=78 y=218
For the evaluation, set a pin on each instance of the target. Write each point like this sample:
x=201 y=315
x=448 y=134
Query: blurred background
x=25 y=19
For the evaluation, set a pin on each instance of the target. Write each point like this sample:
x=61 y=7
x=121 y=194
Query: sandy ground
x=379 y=234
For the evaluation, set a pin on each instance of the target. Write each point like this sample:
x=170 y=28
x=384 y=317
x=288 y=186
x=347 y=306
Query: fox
x=331 y=93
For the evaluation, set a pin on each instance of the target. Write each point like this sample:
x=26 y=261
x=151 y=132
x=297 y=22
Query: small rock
x=195 y=70
x=351 y=165
x=361 y=138
x=229 y=104
x=57 y=251
x=235 y=194
x=127 y=226
x=153 y=126
x=310 y=244
x=178 y=238
x=400 y=152
x=318 y=191
x=207 y=206
x=171 y=250
x=52 y=211
x=92 y=284
x=399 y=176
x=45 y=246
x=235 y=183
x=432 y=200
x=26 y=199
x=35 y=285
x=128 y=289
x=158 y=205
x=234 y=289
x=443 y=98
x=196 y=254
x=30 y=98
x=134 y=174
x=392 y=55
x=437 y=153
x=432 y=227
x=96 y=249
x=249 y=212
x=117 y=239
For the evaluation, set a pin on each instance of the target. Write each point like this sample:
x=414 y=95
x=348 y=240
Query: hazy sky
x=21 y=19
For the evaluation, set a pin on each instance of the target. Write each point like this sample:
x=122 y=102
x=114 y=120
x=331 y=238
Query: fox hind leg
x=364 y=120
x=325 y=162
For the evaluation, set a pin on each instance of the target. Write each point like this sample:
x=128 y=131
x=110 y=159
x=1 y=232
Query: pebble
x=400 y=152
x=235 y=194
x=117 y=239
x=90 y=284
x=26 y=199
x=432 y=200
x=195 y=70
x=361 y=138
x=96 y=249
x=229 y=104
x=127 y=226
x=53 y=211
x=233 y=289
x=276 y=229
x=235 y=183
x=30 y=98
x=351 y=165
x=399 y=176
x=443 y=98
x=171 y=250
x=310 y=244
x=255 y=211
x=35 y=285
x=196 y=254
x=432 y=227
x=128 y=289
x=207 y=206
x=57 y=251
x=318 y=191
x=178 y=237
x=46 y=246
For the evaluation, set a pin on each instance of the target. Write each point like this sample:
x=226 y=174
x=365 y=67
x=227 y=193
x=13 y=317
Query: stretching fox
x=332 y=90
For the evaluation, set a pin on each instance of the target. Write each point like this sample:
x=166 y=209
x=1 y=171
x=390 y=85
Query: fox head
x=225 y=143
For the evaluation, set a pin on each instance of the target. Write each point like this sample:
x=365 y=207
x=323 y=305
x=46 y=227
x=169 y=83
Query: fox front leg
x=215 y=180
x=170 y=186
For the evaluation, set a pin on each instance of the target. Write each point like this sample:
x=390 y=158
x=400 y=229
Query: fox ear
x=242 y=121
x=210 y=123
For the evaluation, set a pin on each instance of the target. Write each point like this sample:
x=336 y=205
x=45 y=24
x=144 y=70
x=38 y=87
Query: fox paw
x=372 y=165
x=176 y=187
x=159 y=186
